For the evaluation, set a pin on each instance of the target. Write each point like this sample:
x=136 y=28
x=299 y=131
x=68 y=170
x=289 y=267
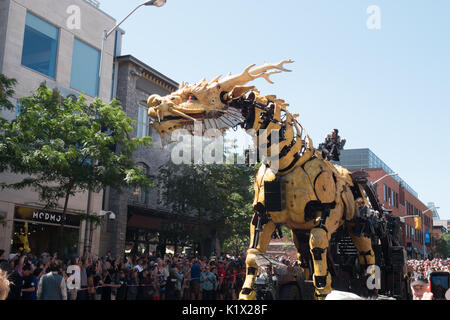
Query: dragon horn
x=249 y=75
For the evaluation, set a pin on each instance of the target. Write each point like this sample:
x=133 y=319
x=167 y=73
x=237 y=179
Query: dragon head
x=206 y=102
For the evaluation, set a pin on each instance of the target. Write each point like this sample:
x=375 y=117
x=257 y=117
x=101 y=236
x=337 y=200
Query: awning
x=143 y=222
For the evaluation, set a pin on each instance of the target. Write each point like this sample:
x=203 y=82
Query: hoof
x=247 y=294
x=318 y=296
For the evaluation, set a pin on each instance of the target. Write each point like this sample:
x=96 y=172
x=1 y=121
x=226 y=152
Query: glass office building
x=358 y=159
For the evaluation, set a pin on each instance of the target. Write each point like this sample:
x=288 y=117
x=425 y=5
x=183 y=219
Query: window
x=393 y=198
x=389 y=194
x=85 y=68
x=140 y=195
x=384 y=192
x=143 y=122
x=40 y=45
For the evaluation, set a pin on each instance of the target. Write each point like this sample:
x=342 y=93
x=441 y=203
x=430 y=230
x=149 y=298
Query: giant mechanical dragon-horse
x=294 y=186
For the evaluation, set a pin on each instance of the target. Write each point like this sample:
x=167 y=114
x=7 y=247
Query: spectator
x=179 y=284
x=83 y=293
x=195 y=280
x=171 y=287
x=223 y=281
x=28 y=284
x=208 y=284
x=106 y=283
x=122 y=283
x=161 y=279
x=37 y=274
x=133 y=282
x=419 y=288
x=52 y=285
x=15 y=278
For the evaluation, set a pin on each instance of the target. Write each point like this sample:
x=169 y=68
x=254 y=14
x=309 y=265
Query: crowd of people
x=425 y=267
x=419 y=273
x=139 y=277
x=26 y=276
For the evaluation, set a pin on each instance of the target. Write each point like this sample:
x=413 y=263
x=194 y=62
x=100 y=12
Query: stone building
x=140 y=219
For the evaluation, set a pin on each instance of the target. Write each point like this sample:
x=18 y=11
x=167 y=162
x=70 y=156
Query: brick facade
x=402 y=203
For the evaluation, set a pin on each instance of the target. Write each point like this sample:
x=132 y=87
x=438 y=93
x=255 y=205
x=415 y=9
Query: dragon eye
x=192 y=97
x=175 y=99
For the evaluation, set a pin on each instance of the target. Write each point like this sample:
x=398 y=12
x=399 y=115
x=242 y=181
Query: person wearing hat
x=419 y=287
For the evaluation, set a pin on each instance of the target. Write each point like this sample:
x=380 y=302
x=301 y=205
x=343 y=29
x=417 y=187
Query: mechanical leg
x=318 y=242
x=301 y=241
x=260 y=236
x=366 y=256
x=364 y=246
x=322 y=278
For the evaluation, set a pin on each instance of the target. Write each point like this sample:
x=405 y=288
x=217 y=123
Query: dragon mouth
x=195 y=123
x=196 y=116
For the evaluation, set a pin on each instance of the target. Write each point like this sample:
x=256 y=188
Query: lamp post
x=423 y=233
x=106 y=34
x=387 y=175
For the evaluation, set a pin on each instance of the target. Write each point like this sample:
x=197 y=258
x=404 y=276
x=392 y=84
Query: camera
x=439 y=284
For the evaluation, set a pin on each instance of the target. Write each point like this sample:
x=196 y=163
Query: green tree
x=65 y=145
x=6 y=94
x=219 y=196
x=442 y=245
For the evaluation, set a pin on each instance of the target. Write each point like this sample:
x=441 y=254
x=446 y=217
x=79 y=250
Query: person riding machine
x=332 y=145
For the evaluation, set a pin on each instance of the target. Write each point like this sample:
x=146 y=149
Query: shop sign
x=47 y=217
x=37 y=215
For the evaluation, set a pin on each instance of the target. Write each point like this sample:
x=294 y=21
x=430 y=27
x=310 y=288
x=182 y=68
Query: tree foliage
x=6 y=93
x=218 y=195
x=442 y=245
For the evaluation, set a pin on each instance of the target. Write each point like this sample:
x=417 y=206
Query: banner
x=427 y=237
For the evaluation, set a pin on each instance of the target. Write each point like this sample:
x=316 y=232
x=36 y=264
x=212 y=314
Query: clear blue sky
x=387 y=90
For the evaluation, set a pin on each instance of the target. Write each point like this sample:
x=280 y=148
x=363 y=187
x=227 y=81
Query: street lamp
x=387 y=175
x=106 y=34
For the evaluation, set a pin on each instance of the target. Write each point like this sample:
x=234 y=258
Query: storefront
x=158 y=233
x=37 y=231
